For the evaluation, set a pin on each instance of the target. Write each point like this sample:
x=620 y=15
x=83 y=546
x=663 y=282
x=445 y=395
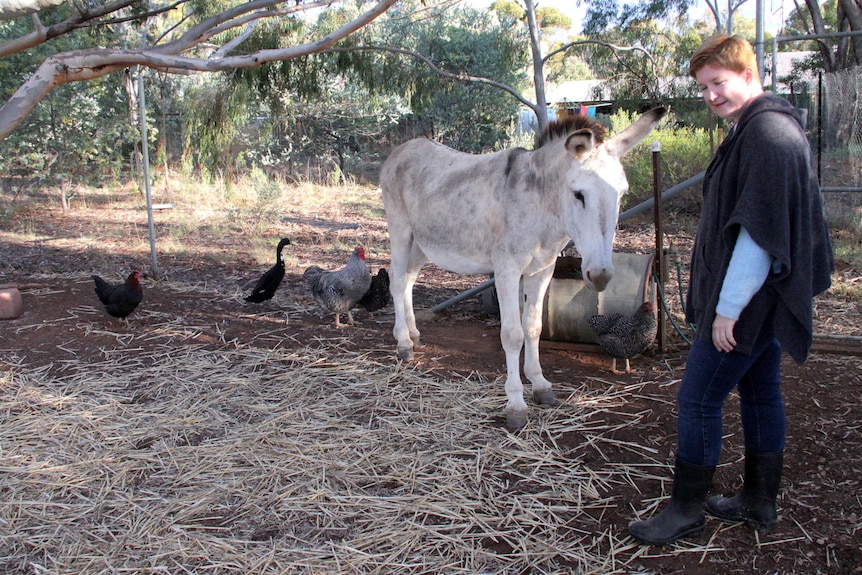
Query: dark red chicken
x=120 y=300
x=377 y=297
x=265 y=287
x=339 y=291
x=625 y=336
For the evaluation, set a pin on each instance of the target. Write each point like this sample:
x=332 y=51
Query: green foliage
x=549 y=17
x=85 y=128
x=80 y=129
x=299 y=77
x=799 y=24
x=605 y=14
x=508 y=11
x=460 y=40
x=325 y=116
x=214 y=112
x=567 y=66
x=663 y=51
x=684 y=153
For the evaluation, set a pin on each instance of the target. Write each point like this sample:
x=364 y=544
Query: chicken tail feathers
x=312 y=276
x=256 y=297
x=103 y=289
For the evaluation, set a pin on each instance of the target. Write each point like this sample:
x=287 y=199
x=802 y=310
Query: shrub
x=684 y=153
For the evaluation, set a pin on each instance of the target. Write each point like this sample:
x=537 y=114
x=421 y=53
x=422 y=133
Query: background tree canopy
x=326 y=86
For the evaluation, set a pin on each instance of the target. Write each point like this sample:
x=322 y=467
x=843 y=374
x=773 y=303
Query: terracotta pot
x=11 y=305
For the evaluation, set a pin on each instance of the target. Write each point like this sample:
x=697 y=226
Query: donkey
x=509 y=213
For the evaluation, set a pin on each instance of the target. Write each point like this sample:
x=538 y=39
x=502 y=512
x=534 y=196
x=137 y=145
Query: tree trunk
x=850 y=12
x=538 y=67
x=820 y=28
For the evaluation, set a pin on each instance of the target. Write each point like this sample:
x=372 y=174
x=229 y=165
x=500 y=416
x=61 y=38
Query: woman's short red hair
x=723 y=51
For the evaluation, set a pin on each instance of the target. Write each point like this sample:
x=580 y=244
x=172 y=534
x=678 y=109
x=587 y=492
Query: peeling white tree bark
x=86 y=65
x=14 y=8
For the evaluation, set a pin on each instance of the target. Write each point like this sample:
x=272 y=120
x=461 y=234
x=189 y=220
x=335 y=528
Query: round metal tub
x=569 y=303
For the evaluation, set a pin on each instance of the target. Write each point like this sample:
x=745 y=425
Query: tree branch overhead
x=83 y=65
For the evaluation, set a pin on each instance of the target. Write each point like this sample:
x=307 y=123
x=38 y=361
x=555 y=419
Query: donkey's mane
x=562 y=128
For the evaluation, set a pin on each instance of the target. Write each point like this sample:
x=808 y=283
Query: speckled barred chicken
x=624 y=336
x=339 y=291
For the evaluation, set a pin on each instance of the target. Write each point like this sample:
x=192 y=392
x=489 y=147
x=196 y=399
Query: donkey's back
x=450 y=204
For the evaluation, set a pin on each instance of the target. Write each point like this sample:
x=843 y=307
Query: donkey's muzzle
x=600 y=278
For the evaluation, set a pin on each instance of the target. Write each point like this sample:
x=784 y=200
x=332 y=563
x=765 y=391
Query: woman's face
x=727 y=92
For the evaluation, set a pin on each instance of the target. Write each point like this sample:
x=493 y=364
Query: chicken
x=339 y=291
x=377 y=297
x=265 y=287
x=120 y=300
x=624 y=336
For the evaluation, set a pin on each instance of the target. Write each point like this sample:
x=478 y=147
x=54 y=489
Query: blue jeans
x=710 y=375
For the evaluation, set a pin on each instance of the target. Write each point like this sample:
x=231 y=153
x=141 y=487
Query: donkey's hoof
x=545 y=397
x=405 y=353
x=515 y=420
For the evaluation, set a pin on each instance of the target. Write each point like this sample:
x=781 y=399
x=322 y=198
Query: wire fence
x=839 y=146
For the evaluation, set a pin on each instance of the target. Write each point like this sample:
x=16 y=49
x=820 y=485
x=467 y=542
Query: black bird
x=269 y=281
x=377 y=297
x=120 y=300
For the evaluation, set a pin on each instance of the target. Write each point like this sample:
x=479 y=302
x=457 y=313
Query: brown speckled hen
x=624 y=336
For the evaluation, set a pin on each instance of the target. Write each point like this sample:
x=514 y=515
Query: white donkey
x=510 y=213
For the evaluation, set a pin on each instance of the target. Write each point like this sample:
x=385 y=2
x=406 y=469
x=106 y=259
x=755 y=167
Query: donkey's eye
x=579 y=195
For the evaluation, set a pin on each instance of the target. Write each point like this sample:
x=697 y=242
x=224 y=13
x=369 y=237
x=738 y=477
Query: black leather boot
x=684 y=515
x=755 y=503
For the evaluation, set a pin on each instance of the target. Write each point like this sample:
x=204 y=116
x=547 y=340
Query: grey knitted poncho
x=763 y=178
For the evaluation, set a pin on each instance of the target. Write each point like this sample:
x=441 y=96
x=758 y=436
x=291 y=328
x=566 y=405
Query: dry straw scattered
x=259 y=459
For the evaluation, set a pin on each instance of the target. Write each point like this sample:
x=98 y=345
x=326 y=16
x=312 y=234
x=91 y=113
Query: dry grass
x=263 y=459
x=166 y=455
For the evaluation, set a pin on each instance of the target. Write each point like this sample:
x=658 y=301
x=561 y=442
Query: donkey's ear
x=620 y=144
x=580 y=143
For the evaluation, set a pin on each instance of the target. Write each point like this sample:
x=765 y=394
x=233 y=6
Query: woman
x=761 y=254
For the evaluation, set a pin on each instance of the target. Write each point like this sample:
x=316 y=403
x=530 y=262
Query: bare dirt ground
x=202 y=285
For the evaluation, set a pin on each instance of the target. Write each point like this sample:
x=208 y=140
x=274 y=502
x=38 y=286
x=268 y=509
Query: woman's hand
x=722 y=333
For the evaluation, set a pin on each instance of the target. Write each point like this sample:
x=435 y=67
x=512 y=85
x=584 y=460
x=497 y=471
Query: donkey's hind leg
x=404 y=271
x=414 y=266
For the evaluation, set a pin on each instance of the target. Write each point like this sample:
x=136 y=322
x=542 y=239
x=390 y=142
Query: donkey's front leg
x=535 y=287
x=512 y=338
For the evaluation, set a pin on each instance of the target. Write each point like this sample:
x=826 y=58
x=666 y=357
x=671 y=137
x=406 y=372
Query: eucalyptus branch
x=85 y=65
x=437 y=69
x=614 y=48
x=42 y=34
x=138 y=17
x=230 y=46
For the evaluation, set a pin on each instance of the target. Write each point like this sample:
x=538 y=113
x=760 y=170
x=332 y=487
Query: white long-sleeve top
x=748 y=269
